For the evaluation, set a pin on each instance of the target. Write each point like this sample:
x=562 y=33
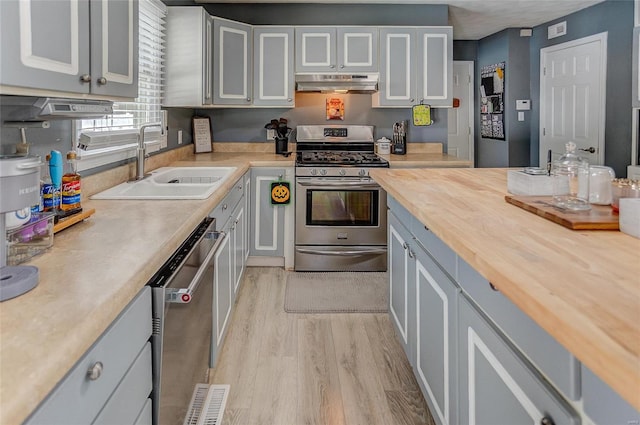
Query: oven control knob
x=314 y=172
x=362 y=172
x=342 y=172
x=323 y=172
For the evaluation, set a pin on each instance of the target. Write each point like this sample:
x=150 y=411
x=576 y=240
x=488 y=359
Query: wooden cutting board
x=599 y=217
x=73 y=219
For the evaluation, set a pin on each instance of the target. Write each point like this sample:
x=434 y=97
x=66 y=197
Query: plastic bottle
x=50 y=200
x=70 y=184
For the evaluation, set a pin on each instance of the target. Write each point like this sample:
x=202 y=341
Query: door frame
x=602 y=37
x=471 y=109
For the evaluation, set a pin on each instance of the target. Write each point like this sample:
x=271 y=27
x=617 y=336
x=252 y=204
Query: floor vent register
x=207 y=405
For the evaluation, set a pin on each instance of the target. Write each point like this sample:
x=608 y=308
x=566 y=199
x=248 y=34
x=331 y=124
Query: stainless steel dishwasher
x=182 y=320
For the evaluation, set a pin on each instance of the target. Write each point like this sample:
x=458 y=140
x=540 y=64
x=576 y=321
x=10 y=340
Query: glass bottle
x=50 y=196
x=570 y=175
x=70 y=184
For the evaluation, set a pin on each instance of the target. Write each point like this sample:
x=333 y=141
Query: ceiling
x=474 y=19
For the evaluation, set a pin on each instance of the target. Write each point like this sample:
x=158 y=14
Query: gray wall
x=518 y=88
x=244 y=125
x=616 y=18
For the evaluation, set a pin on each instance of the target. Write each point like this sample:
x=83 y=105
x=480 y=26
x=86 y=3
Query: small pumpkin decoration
x=280 y=193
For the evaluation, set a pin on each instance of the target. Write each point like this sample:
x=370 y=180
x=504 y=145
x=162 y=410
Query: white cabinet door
x=397 y=85
x=273 y=82
x=45 y=45
x=232 y=57
x=315 y=49
x=114 y=47
x=357 y=49
x=434 y=66
x=189 y=52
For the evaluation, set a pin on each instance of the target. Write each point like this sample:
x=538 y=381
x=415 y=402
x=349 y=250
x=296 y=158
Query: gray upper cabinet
x=189 y=64
x=232 y=58
x=635 y=98
x=70 y=46
x=336 y=49
x=497 y=386
x=273 y=83
x=415 y=67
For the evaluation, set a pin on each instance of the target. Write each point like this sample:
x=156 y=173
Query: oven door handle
x=325 y=183
x=185 y=295
x=342 y=253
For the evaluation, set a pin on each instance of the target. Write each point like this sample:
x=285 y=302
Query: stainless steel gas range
x=341 y=213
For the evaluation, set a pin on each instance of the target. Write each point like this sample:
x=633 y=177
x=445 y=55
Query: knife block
x=282 y=144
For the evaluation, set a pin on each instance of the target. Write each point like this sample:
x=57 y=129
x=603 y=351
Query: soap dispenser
x=570 y=176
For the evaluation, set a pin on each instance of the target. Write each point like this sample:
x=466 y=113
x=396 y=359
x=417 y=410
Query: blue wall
x=616 y=18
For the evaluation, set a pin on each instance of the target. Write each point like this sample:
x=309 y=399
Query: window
x=114 y=138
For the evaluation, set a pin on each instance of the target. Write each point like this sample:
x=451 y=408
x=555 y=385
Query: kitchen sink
x=171 y=183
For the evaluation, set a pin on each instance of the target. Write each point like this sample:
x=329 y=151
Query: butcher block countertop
x=582 y=287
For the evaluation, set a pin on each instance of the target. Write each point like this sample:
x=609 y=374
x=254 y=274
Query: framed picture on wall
x=202 y=134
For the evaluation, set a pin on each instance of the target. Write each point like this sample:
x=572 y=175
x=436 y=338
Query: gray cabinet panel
x=315 y=49
x=357 y=49
x=445 y=257
x=145 y=415
x=436 y=345
x=267 y=221
x=635 y=65
x=497 y=386
x=603 y=405
x=77 y=399
x=222 y=292
x=189 y=51
x=45 y=44
x=114 y=47
x=397 y=68
x=131 y=395
x=435 y=50
x=401 y=285
x=232 y=58
x=559 y=365
x=273 y=82
x=238 y=230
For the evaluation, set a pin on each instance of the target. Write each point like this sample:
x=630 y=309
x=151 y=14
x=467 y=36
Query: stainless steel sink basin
x=171 y=183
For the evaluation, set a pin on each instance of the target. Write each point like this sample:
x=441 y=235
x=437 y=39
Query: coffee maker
x=19 y=188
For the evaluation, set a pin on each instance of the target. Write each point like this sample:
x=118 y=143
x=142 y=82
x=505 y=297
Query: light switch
x=520 y=116
x=523 y=105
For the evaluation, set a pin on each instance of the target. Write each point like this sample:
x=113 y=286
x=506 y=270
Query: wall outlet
x=271 y=135
x=179 y=137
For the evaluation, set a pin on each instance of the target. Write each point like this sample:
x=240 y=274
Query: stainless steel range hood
x=29 y=108
x=337 y=83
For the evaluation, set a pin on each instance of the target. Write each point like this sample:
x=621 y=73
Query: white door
x=460 y=134
x=572 y=97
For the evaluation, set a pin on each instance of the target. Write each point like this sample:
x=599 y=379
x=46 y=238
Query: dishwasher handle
x=185 y=295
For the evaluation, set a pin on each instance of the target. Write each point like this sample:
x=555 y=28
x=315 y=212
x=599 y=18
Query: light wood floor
x=298 y=369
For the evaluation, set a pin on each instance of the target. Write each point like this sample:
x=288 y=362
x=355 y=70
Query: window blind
x=117 y=132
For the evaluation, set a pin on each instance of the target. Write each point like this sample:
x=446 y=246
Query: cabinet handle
x=224 y=207
x=426 y=228
x=332 y=66
x=248 y=99
x=405 y=246
x=85 y=78
x=102 y=81
x=411 y=100
x=547 y=421
x=411 y=253
x=341 y=66
x=95 y=371
x=492 y=286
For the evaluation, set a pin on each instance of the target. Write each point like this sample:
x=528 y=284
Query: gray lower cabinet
x=222 y=293
x=436 y=345
x=402 y=284
x=82 y=47
x=497 y=386
x=273 y=82
x=112 y=382
x=247 y=213
x=238 y=231
x=603 y=405
x=232 y=58
x=267 y=220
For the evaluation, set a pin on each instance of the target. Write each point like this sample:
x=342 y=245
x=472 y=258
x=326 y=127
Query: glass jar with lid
x=570 y=174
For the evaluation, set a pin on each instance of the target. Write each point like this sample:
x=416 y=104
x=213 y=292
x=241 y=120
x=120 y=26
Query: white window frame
x=106 y=141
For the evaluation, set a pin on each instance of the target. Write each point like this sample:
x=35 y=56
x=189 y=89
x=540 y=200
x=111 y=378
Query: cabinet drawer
x=444 y=256
x=77 y=399
x=558 y=364
x=145 y=416
x=603 y=405
x=497 y=385
x=404 y=216
x=222 y=212
x=126 y=402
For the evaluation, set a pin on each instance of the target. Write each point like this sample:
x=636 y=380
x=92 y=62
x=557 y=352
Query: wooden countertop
x=582 y=287
x=92 y=272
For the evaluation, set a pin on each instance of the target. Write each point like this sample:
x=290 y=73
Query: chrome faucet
x=141 y=151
